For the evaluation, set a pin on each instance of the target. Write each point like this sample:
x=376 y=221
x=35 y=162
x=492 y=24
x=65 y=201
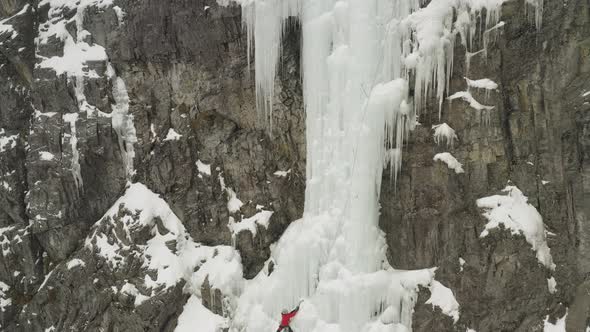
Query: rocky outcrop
x=535 y=137
x=185 y=70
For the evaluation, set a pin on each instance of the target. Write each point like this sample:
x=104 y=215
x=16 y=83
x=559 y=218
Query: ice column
x=357 y=106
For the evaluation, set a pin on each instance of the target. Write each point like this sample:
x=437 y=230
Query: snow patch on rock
x=461 y=264
x=443 y=133
x=251 y=224
x=195 y=315
x=282 y=173
x=130 y=289
x=75 y=263
x=233 y=202
x=77 y=53
x=46 y=156
x=451 y=161
x=559 y=325
x=7 y=142
x=5 y=301
x=172 y=135
x=518 y=216
x=170 y=251
x=467 y=97
x=203 y=168
x=443 y=298
x=484 y=83
x=552 y=285
x=6 y=27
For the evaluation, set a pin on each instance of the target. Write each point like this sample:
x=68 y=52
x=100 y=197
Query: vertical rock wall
x=534 y=138
x=184 y=64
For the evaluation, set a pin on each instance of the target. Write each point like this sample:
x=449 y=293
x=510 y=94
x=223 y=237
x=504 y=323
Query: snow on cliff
x=169 y=252
x=518 y=216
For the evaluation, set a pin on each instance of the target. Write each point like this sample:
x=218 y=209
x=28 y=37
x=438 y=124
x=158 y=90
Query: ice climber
x=286 y=317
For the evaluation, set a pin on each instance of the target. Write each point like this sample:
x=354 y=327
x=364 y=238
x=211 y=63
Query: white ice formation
x=450 y=160
x=443 y=133
x=357 y=60
x=517 y=215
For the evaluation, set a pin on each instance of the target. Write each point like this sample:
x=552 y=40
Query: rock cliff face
x=535 y=137
x=165 y=97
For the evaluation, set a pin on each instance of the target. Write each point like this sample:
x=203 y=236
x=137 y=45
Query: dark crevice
x=506 y=133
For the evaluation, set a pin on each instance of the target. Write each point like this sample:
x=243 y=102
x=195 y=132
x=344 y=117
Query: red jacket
x=286 y=318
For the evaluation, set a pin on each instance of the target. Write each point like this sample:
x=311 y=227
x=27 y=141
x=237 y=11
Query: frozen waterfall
x=357 y=60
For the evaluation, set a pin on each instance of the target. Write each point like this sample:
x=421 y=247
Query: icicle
x=71 y=119
x=123 y=121
x=487 y=39
x=432 y=28
x=467 y=97
x=485 y=117
x=538 y=5
x=468 y=57
x=466 y=29
x=267 y=44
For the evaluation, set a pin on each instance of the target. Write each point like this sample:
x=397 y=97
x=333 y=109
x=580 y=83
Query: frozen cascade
x=538 y=8
x=71 y=119
x=357 y=58
x=123 y=121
